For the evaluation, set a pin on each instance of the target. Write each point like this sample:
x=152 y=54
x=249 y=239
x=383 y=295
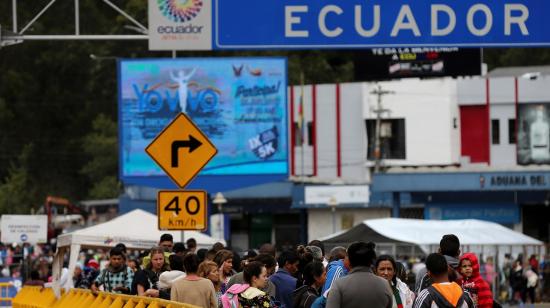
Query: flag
x=301 y=113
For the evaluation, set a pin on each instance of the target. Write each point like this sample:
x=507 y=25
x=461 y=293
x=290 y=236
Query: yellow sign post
x=181 y=209
x=181 y=150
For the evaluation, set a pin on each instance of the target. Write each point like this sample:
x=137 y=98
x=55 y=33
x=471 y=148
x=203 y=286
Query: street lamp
x=333 y=203
x=219 y=200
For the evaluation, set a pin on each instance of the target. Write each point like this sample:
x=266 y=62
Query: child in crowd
x=472 y=282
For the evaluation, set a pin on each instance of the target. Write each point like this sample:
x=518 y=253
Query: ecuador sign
x=299 y=24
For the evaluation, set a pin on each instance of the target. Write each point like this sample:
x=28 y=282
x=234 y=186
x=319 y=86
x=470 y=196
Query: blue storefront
x=519 y=200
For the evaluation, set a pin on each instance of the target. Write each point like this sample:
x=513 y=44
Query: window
x=511 y=131
x=299 y=138
x=311 y=133
x=392 y=139
x=495 y=131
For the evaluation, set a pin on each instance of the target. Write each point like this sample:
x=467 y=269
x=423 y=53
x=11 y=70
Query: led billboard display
x=239 y=103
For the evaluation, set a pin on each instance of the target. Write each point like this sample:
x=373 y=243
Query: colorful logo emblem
x=180 y=10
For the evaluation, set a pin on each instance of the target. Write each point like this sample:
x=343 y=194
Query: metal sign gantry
x=18 y=35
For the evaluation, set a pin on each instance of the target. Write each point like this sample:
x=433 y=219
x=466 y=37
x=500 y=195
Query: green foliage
x=101 y=169
x=107 y=188
x=17 y=192
x=500 y=57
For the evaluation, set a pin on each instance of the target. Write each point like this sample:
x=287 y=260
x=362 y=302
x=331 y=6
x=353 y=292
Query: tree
x=101 y=169
x=17 y=192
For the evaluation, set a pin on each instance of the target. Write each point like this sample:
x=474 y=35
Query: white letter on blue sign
x=488 y=19
x=375 y=22
x=519 y=20
x=323 y=26
x=400 y=24
x=291 y=20
x=436 y=8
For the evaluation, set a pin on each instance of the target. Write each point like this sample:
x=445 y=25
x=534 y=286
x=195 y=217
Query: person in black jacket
x=314 y=279
x=517 y=281
x=146 y=281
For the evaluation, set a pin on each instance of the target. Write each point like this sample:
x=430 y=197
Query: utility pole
x=379 y=110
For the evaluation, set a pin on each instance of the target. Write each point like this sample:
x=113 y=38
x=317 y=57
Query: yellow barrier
x=4 y=291
x=37 y=297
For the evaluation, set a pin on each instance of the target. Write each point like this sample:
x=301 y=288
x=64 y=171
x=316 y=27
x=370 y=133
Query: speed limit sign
x=182 y=209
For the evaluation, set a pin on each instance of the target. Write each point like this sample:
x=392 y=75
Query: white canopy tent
x=426 y=234
x=137 y=229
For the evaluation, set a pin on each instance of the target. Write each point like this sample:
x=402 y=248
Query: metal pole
x=76 y=17
x=377 y=155
x=222 y=219
x=302 y=135
x=333 y=209
x=14 y=13
x=37 y=16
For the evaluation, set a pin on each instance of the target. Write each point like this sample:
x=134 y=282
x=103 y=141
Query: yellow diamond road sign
x=181 y=150
x=181 y=209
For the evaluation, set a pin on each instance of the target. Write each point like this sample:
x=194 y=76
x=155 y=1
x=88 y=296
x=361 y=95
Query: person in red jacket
x=472 y=282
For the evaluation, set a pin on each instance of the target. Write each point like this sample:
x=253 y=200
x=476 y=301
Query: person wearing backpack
x=117 y=277
x=314 y=278
x=146 y=280
x=249 y=294
x=449 y=247
x=442 y=293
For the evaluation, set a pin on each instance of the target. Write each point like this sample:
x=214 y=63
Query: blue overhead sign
x=296 y=24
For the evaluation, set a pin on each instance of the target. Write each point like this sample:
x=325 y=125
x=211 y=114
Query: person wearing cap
x=92 y=263
x=91 y=270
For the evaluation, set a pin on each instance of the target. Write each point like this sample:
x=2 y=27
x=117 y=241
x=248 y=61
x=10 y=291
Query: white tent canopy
x=428 y=233
x=137 y=229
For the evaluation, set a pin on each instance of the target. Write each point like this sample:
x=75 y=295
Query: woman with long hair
x=224 y=260
x=314 y=279
x=210 y=271
x=146 y=280
x=386 y=268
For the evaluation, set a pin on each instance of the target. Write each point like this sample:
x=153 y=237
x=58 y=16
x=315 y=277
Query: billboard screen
x=533 y=134
x=239 y=103
x=389 y=63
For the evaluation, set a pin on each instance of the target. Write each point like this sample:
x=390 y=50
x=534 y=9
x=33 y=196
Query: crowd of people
x=303 y=277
